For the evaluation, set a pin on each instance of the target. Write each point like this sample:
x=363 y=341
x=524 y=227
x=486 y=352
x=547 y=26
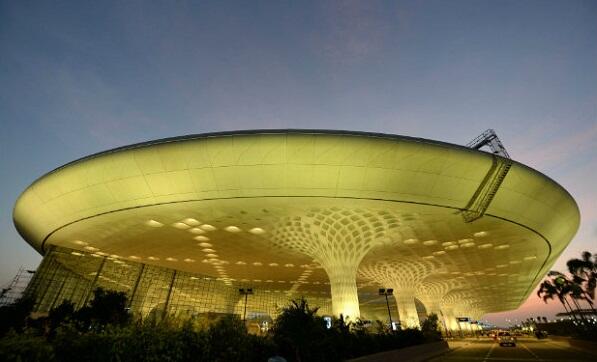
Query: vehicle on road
x=506 y=339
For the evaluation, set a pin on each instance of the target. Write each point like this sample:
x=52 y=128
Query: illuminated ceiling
x=300 y=210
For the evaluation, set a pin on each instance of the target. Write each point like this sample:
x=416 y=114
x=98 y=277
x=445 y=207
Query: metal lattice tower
x=15 y=289
x=481 y=199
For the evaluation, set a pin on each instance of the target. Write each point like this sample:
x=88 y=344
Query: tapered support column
x=343 y=285
x=431 y=306
x=450 y=319
x=407 y=309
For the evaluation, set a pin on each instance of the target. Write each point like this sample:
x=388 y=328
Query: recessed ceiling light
x=502 y=247
x=530 y=257
x=76 y=253
x=257 y=263
x=273 y=264
x=441 y=252
x=464 y=241
x=197 y=231
x=480 y=234
x=171 y=259
x=429 y=242
x=153 y=258
x=514 y=261
x=468 y=245
x=501 y=265
x=154 y=224
x=240 y=263
x=96 y=255
x=80 y=242
x=180 y=225
x=485 y=246
x=205 y=245
x=134 y=257
x=188 y=260
x=448 y=243
x=289 y=265
x=208 y=250
x=411 y=241
x=213 y=256
x=452 y=247
x=115 y=256
x=429 y=257
x=257 y=231
x=201 y=238
x=90 y=248
x=232 y=229
x=190 y=221
x=208 y=227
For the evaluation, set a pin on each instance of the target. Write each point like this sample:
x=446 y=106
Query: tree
x=299 y=330
x=584 y=271
x=430 y=328
x=107 y=307
x=551 y=288
x=14 y=316
x=59 y=314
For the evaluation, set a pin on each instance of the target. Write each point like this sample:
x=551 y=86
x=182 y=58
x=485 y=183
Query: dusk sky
x=84 y=77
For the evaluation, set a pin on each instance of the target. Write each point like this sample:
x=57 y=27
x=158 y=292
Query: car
x=541 y=334
x=506 y=339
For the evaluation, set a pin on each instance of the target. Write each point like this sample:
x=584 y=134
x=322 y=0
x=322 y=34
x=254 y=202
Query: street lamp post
x=386 y=292
x=246 y=293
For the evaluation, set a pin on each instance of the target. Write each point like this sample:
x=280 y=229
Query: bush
x=14 y=316
x=103 y=331
x=23 y=347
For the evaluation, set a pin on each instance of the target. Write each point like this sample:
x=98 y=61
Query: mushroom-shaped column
x=433 y=288
x=403 y=275
x=430 y=293
x=337 y=239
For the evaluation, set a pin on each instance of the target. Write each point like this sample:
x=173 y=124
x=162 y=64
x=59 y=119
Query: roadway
x=527 y=349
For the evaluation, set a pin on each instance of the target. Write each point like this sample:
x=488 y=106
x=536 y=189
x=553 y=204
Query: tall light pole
x=246 y=293
x=386 y=292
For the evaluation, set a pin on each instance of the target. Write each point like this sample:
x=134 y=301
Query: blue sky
x=81 y=77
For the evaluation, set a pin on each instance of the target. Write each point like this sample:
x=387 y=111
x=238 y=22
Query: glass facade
x=152 y=291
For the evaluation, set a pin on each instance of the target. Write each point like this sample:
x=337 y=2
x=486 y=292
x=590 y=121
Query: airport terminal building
x=186 y=226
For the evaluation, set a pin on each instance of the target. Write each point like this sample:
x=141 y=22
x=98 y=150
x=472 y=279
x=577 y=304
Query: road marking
x=531 y=352
x=489 y=352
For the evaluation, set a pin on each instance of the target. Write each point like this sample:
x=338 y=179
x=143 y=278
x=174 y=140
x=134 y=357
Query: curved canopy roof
x=288 y=209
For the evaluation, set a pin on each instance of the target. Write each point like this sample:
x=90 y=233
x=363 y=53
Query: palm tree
x=584 y=273
x=300 y=329
x=550 y=288
x=569 y=288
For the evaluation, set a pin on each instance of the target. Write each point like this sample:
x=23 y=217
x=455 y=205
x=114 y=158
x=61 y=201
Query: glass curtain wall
x=152 y=291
